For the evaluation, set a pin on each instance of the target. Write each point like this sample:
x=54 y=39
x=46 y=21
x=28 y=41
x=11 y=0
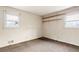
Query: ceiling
x=41 y=10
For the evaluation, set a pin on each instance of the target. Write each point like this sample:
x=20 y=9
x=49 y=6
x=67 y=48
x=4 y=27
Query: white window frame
x=72 y=21
x=17 y=21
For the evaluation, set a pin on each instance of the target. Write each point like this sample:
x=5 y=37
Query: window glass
x=11 y=21
x=72 y=21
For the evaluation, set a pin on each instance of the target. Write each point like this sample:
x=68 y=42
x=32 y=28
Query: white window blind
x=11 y=21
x=72 y=21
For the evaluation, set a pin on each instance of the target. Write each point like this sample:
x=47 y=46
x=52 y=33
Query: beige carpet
x=39 y=45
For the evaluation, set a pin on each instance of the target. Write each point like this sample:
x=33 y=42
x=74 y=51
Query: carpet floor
x=39 y=45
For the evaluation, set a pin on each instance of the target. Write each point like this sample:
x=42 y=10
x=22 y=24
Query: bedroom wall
x=56 y=30
x=30 y=27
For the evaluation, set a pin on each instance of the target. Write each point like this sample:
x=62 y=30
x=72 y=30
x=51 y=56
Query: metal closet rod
x=53 y=19
x=65 y=11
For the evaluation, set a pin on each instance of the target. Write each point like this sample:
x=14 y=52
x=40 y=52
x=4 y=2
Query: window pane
x=73 y=17
x=11 y=21
x=72 y=24
x=12 y=17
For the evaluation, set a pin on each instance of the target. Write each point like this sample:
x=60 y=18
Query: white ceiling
x=41 y=10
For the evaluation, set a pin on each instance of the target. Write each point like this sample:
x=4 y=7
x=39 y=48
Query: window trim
x=4 y=17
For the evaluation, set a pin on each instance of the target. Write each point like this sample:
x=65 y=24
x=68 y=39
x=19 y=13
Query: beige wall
x=56 y=30
x=30 y=27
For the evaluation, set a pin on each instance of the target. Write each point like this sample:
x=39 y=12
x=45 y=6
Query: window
x=72 y=21
x=12 y=21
